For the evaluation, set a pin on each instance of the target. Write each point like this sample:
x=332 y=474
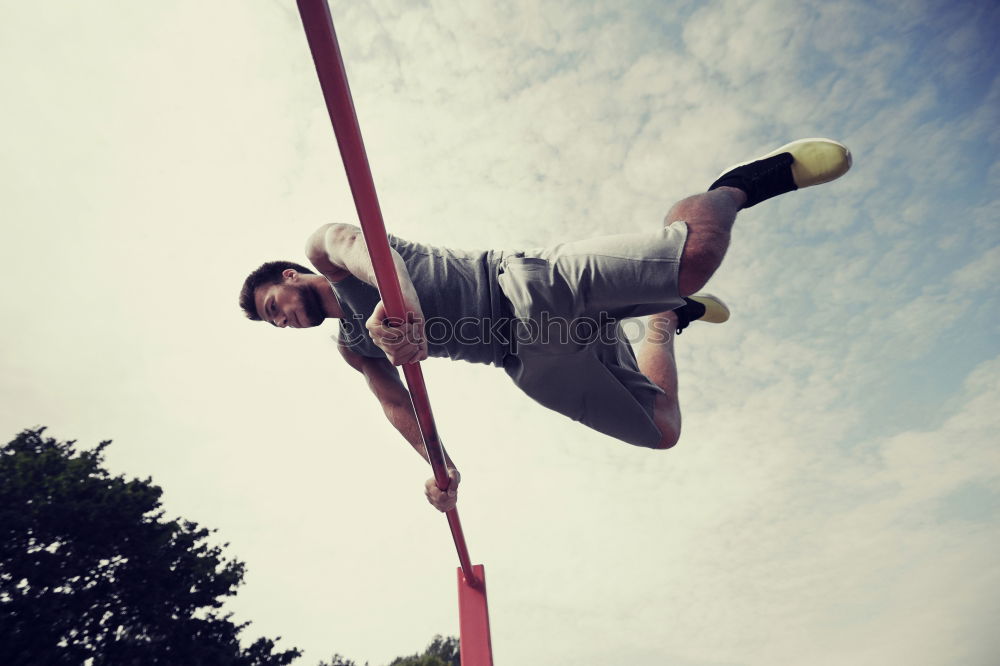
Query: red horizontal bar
x=333 y=80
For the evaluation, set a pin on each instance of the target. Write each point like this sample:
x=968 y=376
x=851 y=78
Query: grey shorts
x=571 y=352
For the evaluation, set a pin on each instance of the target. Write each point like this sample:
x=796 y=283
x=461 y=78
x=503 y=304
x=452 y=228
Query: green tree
x=91 y=570
x=338 y=660
x=441 y=652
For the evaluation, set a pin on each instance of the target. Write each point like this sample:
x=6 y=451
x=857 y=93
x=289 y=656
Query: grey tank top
x=464 y=309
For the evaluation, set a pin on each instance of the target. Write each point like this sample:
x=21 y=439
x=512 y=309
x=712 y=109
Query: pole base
x=474 y=619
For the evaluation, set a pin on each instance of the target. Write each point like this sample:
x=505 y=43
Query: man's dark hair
x=266 y=275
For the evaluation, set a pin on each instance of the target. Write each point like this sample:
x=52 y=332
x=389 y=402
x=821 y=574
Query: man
x=550 y=317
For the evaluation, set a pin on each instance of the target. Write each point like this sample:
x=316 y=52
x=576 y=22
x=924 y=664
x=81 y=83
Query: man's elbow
x=328 y=243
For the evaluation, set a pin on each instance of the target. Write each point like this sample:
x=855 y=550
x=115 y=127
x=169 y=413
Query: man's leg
x=710 y=217
x=656 y=361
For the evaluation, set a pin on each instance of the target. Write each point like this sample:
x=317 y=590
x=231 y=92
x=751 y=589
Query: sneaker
x=801 y=163
x=701 y=307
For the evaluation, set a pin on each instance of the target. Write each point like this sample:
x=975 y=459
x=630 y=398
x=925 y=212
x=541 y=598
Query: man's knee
x=699 y=261
x=669 y=436
x=685 y=209
x=704 y=249
x=691 y=280
x=667 y=419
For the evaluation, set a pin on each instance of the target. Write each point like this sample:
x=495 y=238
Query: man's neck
x=327 y=297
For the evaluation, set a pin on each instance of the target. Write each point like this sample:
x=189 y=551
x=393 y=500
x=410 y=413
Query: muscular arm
x=337 y=250
x=383 y=379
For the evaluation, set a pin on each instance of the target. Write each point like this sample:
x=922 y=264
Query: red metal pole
x=476 y=647
x=474 y=620
x=333 y=79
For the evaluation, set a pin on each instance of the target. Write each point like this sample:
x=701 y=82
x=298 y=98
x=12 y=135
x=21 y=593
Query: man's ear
x=289 y=274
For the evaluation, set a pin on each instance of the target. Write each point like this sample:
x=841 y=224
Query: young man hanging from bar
x=550 y=317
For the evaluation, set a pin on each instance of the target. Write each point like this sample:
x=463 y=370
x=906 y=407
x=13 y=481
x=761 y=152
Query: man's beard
x=311 y=306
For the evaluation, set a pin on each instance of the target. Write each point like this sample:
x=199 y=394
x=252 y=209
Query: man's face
x=293 y=303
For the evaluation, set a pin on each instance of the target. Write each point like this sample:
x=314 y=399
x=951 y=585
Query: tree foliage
x=338 y=660
x=92 y=572
x=441 y=652
x=91 y=569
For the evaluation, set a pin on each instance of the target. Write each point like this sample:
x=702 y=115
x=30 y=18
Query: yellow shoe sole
x=817 y=161
x=716 y=311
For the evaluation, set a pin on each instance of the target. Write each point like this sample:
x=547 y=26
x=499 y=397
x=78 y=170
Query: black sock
x=691 y=311
x=760 y=180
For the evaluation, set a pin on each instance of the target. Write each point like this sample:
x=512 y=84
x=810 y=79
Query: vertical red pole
x=474 y=620
x=318 y=24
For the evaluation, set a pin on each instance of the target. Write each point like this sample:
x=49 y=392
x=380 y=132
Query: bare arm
x=339 y=250
x=383 y=380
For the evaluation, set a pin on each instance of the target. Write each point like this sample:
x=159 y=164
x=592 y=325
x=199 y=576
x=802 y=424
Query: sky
x=835 y=496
